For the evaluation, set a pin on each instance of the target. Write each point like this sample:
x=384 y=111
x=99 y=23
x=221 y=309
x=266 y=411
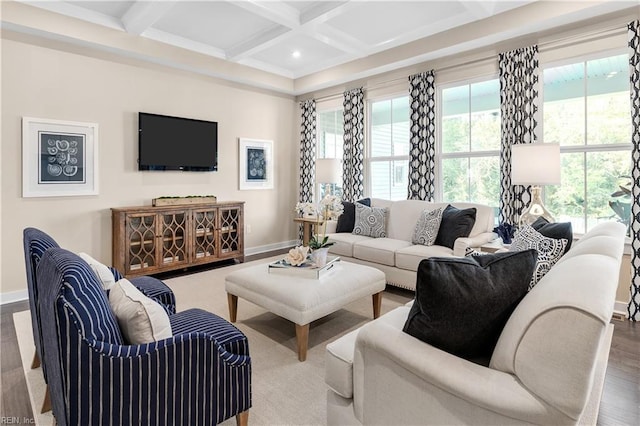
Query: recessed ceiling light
x=296 y=54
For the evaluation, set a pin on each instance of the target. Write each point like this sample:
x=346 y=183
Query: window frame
x=368 y=159
x=440 y=155
x=584 y=148
x=338 y=110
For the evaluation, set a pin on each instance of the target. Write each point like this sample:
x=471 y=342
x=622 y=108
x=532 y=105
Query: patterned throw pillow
x=549 y=250
x=370 y=221
x=427 y=227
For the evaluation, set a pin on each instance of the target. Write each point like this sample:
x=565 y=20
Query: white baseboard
x=13 y=296
x=620 y=308
x=270 y=247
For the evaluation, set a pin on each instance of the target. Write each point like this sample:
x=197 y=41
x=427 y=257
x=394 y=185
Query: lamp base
x=535 y=209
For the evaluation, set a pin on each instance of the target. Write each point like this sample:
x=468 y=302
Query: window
x=469 y=148
x=586 y=110
x=330 y=145
x=388 y=148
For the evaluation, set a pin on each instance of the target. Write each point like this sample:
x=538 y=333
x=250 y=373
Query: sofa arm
x=400 y=379
x=463 y=243
x=331 y=226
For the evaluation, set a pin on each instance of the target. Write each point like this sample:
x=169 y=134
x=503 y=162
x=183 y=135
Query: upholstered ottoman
x=303 y=300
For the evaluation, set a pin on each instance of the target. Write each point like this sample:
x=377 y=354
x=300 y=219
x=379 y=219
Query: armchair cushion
x=557 y=231
x=550 y=250
x=103 y=273
x=141 y=319
x=462 y=304
x=455 y=223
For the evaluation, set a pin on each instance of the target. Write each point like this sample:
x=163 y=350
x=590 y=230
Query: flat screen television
x=174 y=143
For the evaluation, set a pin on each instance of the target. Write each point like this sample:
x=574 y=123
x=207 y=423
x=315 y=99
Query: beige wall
x=47 y=83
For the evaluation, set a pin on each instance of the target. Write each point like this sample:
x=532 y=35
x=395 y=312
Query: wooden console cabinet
x=148 y=240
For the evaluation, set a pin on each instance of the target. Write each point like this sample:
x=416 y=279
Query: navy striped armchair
x=199 y=376
x=36 y=242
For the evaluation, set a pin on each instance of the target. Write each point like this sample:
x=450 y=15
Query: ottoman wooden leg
x=233 y=306
x=242 y=419
x=377 y=303
x=302 y=338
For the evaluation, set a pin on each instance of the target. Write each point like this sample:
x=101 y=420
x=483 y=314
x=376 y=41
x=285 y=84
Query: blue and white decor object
x=256 y=164
x=59 y=158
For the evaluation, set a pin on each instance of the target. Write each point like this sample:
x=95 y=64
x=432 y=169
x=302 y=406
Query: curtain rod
x=543 y=45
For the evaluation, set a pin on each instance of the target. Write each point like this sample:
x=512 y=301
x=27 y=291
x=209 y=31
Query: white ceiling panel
x=313 y=53
x=219 y=24
x=115 y=9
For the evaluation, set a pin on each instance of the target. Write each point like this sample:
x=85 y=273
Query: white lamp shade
x=328 y=170
x=535 y=164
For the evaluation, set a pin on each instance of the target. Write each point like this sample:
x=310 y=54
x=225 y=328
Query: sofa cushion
x=141 y=319
x=549 y=250
x=410 y=257
x=370 y=221
x=455 y=223
x=557 y=231
x=379 y=250
x=427 y=227
x=347 y=219
x=343 y=243
x=462 y=304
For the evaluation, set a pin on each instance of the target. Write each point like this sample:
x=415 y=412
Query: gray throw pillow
x=427 y=227
x=462 y=304
x=370 y=221
x=550 y=250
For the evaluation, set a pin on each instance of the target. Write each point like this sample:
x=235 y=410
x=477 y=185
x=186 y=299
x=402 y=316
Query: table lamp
x=535 y=164
x=328 y=171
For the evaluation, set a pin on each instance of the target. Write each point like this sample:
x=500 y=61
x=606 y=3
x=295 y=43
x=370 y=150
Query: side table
x=308 y=225
x=494 y=246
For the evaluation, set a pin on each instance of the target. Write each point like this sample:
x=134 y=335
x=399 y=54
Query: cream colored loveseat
x=395 y=255
x=547 y=368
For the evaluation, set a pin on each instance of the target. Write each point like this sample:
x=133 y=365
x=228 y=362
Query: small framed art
x=256 y=164
x=59 y=158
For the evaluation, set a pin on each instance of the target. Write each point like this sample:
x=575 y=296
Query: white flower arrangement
x=331 y=207
x=297 y=255
x=306 y=209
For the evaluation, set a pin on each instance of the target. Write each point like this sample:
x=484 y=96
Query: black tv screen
x=174 y=143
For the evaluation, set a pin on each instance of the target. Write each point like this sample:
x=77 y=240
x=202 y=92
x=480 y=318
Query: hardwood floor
x=620 y=403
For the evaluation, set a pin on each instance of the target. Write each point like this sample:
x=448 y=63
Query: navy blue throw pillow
x=347 y=219
x=554 y=230
x=455 y=223
x=462 y=304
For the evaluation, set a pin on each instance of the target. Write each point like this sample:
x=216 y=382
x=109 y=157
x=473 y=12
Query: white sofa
x=395 y=255
x=548 y=366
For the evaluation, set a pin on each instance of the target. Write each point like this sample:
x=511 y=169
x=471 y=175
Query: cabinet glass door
x=231 y=222
x=174 y=237
x=204 y=239
x=142 y=242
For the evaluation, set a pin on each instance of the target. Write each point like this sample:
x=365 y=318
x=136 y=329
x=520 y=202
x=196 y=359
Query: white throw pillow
x=102 y=271
x=141 y=319
x=427 y=227
x=550 y=250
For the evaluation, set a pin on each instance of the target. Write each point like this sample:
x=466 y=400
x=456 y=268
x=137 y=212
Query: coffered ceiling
x=298 y=39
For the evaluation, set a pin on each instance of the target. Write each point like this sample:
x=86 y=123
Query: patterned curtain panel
x=634 y=72
x=307 y=153
x=518 y=107
x=422 y=145
x=353 y=157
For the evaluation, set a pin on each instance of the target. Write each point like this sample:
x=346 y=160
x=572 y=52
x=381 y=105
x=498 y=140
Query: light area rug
x=284 y=390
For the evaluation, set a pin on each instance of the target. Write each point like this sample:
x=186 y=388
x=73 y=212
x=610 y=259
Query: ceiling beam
x=259 y=42
x=143 y=14
x=276 y=11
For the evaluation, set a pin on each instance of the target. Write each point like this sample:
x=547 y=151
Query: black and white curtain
x=353 y=156
x=634 y=73
x=518 y=108
x=307 y=153
x=422 y=144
